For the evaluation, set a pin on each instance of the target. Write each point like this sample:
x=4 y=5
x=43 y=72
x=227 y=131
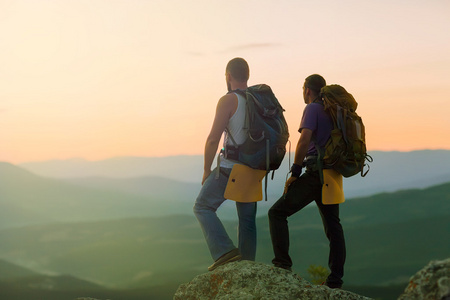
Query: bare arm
x=300 y=153
x=225 y=109
x=302 y=146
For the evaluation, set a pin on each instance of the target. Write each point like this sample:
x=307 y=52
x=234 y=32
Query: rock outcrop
x=430 y=283
x=252 y=280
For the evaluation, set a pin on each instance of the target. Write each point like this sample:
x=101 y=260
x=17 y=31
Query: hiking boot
x=231 y=256
x=283 y=267
x=332 y=285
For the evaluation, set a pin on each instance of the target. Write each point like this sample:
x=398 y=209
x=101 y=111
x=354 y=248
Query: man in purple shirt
x=302 y=189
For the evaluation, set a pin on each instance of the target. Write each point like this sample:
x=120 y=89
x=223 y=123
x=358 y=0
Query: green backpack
x=345 y=151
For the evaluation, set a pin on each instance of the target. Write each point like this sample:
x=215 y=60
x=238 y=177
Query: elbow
x=302 y=143
x=212 y=142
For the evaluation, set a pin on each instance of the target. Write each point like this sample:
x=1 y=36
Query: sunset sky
x=96 y=79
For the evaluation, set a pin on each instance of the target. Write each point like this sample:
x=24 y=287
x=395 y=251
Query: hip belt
x=310 y=163
x=230 y=152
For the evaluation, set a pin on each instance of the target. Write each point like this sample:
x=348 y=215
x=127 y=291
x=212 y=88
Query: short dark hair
x=315 y=83
x=238 y=68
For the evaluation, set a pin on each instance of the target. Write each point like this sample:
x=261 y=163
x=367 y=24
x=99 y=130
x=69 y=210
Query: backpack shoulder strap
x=320 y=155
x=231 y=137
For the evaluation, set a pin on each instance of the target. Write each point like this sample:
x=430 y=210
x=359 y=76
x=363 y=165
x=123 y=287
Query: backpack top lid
x=262 y=100
x=337 y=94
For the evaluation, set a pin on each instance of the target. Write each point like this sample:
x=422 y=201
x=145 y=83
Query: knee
x=247 y=227
x=197 y=209
x=201 y=209
x=271 y=213
x=334 y=232
x=275 y=214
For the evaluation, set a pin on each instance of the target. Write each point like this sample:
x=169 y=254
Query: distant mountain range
x=26 y=198
x=78 y=191
x=390 y=171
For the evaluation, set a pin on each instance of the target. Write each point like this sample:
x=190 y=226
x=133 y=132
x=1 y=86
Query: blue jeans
x=205 y=207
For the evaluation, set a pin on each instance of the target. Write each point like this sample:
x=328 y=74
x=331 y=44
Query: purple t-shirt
x=321 y=124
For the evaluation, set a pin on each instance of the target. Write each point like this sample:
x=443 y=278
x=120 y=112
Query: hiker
x=230 y=115
x=301 y=189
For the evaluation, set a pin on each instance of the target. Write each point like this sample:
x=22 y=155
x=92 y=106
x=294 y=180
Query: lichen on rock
x=430 y=283
x=252 y=280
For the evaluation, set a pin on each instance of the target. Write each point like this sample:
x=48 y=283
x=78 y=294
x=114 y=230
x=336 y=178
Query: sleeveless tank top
x=236 y=128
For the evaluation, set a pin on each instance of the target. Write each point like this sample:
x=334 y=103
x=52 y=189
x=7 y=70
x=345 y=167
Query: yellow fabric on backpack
x=244 y=184
x=332 y=188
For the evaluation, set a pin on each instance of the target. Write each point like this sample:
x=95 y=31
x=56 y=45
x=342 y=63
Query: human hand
x=288 y=183
x=206 y=174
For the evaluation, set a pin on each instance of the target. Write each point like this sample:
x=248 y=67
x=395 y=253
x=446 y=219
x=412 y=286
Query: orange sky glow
x=96 y=79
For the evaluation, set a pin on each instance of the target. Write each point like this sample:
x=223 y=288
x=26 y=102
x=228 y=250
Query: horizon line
x=178 y=155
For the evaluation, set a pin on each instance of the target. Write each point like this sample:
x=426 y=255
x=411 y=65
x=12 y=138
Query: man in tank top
x=230 y=115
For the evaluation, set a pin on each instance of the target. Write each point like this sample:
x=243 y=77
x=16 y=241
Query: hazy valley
x=136 y=235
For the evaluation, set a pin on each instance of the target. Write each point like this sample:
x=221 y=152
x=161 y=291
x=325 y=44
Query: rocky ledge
x=252 y=280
